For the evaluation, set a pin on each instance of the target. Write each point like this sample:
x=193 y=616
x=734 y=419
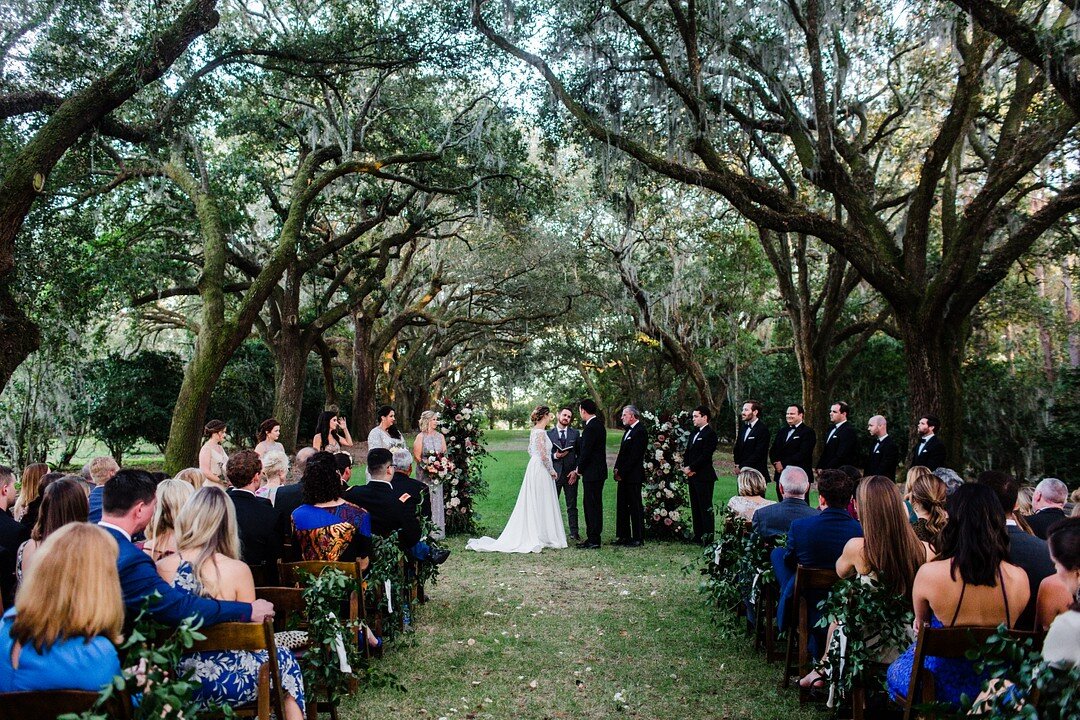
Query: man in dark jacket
x=701 y=475
x=752 y=444
x=630 y=476
x=841 y=443
x=592 y=471
x=12 y=535
x=929 y=451
x=776 y=519
x=1048 y=502
x=793 y=446
x=262 y=527
x=885 y=455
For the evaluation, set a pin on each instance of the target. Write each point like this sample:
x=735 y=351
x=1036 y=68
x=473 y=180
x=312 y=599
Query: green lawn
x=572 y=634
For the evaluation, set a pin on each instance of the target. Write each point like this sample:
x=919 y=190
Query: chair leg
x=789 y=658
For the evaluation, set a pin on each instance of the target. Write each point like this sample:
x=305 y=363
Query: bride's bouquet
x=438 y=467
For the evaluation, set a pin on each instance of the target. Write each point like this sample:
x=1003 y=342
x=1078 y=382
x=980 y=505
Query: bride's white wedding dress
x=536 y=522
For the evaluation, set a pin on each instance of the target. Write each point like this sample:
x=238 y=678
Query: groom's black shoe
x=587 y=545
x=620 y=541
x=634 y=543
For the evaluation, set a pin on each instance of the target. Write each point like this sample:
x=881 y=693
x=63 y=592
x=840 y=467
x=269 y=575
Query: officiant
x=563 y=456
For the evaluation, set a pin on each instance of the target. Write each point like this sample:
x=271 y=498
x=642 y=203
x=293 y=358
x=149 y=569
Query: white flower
x=668 y=493
x=454 y=502
x=458 y=417
x=675 y=515
x=659 y=454
x=663 y=512
x=659 y=495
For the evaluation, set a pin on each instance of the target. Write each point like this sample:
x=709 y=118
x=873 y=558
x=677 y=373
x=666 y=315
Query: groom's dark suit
x=592 y=468
x=630 y=475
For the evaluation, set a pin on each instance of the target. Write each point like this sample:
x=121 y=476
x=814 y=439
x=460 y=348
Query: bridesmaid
x=212 y=456
x=430 y=440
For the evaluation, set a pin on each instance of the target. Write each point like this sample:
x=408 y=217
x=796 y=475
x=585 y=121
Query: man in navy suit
x=752 y=445
x=930 y=451
x=885 y=455
x=630 y=476
x=1048 y=502
x=818 y=541
x=776 y=519
x=842 y=443
x=700 y=473
x=564 y=461
x=128 y=502
x=793 y=445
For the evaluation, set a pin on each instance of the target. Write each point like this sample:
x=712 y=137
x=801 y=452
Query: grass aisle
x=565 y=633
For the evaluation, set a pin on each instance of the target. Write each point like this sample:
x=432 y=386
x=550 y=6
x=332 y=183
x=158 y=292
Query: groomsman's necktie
x=562 y=438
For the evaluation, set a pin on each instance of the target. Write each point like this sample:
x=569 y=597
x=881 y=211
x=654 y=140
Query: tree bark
x=363 y=366
x=189 y=415
x=290 y=356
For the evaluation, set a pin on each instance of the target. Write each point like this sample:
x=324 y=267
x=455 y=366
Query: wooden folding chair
x=290 y=575
x=250 y=637
x=765 y=632
x=948 y=642
x=807 y=581
x=50 y=704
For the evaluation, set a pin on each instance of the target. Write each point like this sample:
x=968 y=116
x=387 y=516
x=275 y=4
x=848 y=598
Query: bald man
x=885 y=454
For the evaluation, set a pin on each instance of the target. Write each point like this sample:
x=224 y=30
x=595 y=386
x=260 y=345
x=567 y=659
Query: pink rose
x=667 y=521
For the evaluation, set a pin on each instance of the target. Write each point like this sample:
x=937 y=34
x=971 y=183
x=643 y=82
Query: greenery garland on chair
x=150 y=655
x=460 y=423
x=387 y=561
x=736 y=564
x=1022 y=684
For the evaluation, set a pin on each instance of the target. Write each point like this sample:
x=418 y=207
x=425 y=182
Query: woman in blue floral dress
x=206 y=563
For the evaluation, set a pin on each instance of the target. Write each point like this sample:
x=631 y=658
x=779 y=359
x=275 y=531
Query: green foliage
x=876 y=623
x=131 y=399
x=1061 y=452
x=151 y=653
x=387 y=561
x=324 y=598
x=665 y=491
x=737 y=564
x=460 y=422
x=1023 y=685
x=42 y=403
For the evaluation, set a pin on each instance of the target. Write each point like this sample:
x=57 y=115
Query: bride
x=536 y=522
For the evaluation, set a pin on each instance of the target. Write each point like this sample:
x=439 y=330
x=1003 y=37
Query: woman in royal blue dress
x=62 y=632
x=326 y=526
x=971 y=584
x=207 y=563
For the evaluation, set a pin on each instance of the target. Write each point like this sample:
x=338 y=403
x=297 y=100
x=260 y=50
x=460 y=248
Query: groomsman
x=592 y=469
x=886 y=454
x=564 y=436
x=842 y=443
x=793 y=446
x=930 y=452
x=701 y=474
x=752 y=444
x=630 y=476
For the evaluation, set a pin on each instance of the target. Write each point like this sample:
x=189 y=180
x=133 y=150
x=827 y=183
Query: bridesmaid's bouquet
x=438 y=466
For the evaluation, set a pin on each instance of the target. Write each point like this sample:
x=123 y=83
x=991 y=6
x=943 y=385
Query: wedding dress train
x=536 y=522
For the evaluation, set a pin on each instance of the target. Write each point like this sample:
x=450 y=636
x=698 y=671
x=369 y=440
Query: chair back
x=288 y=603
x=50 y=704
x=289 y=572
x=250 y=637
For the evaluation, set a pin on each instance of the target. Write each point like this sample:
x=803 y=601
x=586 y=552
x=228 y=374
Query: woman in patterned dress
x=207 y=563
x=326 y=526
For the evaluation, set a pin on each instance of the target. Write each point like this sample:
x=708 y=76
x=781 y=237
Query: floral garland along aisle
x=665 y=493
x=460 y=422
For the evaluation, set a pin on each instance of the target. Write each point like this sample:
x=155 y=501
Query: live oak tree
x=928 y=154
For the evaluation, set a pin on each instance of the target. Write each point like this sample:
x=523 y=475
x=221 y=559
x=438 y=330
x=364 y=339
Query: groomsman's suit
x=630 y=475
x=567 y=438
x=929 y=452
x=841 y=448
x=752 y=447
x=883 y=459
x=700 y=447
x=794 y=446
x=592 y=468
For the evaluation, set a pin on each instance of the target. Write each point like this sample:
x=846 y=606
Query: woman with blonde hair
x=927 y=495
x=207 y=563
x=429 y=441
x=171 y=495
x=62 y=632
x=275 y=471
x=751 y=497
x=193 y=477
x=26 y=506
x=63 y=502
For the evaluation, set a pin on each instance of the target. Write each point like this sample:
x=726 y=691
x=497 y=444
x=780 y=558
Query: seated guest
x=1023 y=503
x=26 y=507
x=161 y=532
x=927 y=495
x=1062 y=644
x=950 y=478
x=971 y=583
x=1048 y=505
x=12 y=535
x=289 y=496
x=751 y=497
x=392 y=511
x=326 y=527
x=207 y=563
x=419 y=499
x=914 y=473
x=63 y=502
x=1025 y=550
x=193 y=477
x=262 y=527
x=817 y=541
x=127 y=507
x=62 y=632
x=101 y=469
x=775 y=519
x=343 y=462
x=1054 y=599
x=888 y=553
x=275 y=472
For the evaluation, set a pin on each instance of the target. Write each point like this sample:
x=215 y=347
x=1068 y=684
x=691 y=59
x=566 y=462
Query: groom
x=592 y=469
x=564 y=461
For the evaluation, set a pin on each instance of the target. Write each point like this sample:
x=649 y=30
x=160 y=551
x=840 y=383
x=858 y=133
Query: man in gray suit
x=564 y=436
x=776 y=519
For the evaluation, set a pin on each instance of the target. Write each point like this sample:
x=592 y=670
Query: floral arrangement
x=438 y=467
x=459 y=422
x=665 y=491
